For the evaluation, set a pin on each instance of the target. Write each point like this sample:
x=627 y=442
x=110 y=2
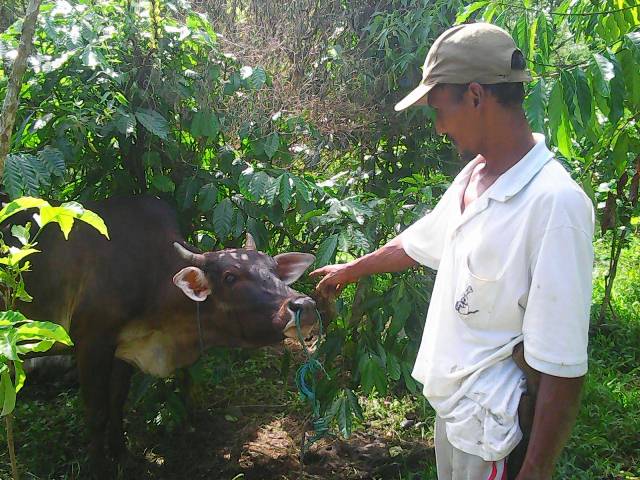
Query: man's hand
x=556 y=410
x=333 y=279
x=389 y=258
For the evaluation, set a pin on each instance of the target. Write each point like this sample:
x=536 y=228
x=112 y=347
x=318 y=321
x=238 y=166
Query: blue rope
x=306 y=383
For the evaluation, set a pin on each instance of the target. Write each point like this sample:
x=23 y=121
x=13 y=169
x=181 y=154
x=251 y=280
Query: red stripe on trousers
x=504 y=472
x=494 y=472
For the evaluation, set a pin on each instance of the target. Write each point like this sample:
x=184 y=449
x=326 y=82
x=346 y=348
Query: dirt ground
x=267 y=446
x=248 y=424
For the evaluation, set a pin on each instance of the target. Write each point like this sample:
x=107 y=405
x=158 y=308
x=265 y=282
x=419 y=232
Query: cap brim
x=415 y=95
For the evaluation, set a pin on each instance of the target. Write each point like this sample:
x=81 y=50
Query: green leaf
x=90 y=57
x=393 y=367
x=186 y=192
x=19 y=205
x=259 y=184
x=534 y=106
x=205 y=124
x=616 y=100
x=207 y=197
x=285 y=190
x=8 y=348
x=632 y=42
x=257 y=78
x=521 y=35
x=354 y=404
x=153 y=122
x=11 y=317
x=238 y=223
x=162 y=183
x=20 y=376
x=411 y=384
x=620 y=153
x=42 y=331
x=469 y=10
x=16 y=255
x=584 y=96
x=221 y=219
x=605 y=72
x=7 y=393
x=302 y=191
x=58 y=215
x=271 y=144
x=326 y=251
x=372 y=375
x=558 y=121
x=21 y=233
x=94 y=220
x=125 y=123
x=345 y=419
x=53 y=160
x=152 y=160
x=544 y=37
x=259 y=231
x=21 y=175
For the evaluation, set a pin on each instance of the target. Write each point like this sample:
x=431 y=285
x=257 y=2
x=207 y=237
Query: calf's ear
x=292 y=265
x=193 y=282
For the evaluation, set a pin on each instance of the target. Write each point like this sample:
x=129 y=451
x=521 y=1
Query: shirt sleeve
x=424 y=240
x=556 y=318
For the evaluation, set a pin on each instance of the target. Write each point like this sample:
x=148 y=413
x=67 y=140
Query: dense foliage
x=304 y=151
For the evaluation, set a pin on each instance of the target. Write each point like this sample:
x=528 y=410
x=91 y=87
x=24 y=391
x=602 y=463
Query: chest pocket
x=475 y=297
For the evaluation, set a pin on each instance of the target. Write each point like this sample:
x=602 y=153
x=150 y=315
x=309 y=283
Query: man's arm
x=557 y=406
x=389 y=258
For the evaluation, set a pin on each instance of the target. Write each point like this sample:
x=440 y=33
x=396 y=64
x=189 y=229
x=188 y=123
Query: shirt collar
x=519 y=175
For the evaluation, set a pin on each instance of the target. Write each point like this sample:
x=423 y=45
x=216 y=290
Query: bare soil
x=248 y=424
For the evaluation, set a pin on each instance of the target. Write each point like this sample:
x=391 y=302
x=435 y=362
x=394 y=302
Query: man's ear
x=193 y=282
x=292 y=265
x=477 y=93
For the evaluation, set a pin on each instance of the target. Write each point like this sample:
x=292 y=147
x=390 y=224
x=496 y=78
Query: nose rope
x=306 y=378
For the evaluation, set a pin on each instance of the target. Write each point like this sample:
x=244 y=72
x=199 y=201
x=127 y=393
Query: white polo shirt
x=516 y=265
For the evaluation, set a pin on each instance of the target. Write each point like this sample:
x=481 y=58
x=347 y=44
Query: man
x=511 y=240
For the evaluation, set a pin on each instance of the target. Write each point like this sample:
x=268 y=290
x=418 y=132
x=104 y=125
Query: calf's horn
x=250 y=243
x=195 y=259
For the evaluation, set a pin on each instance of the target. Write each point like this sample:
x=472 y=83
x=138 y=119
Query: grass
x=605 y=443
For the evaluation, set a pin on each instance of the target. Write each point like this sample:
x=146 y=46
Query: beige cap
x=475 y=52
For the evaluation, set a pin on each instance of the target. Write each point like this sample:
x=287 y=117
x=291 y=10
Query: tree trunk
x=12 y=451
x=12 y=100
x=617 y=243
x=7 y=121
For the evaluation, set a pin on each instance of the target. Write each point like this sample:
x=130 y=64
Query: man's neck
x=510 y=139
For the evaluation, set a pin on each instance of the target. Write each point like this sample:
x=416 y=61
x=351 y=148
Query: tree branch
x=11 y=99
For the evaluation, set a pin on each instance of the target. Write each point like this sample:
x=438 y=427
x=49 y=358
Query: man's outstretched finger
x=317 y=272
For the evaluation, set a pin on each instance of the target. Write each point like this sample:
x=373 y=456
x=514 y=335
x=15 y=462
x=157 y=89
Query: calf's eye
x=229 y=278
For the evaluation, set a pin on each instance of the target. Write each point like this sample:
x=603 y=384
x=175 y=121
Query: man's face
x=457 y=118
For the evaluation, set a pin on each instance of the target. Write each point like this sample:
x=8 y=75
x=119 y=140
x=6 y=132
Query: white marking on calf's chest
x=152 y=350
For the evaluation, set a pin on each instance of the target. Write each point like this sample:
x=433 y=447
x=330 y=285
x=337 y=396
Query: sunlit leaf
x=469 y=10
x=534 y=106
x=36 y=330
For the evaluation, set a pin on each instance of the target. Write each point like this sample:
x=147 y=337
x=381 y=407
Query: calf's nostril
x=295 y=306
x=303 y=303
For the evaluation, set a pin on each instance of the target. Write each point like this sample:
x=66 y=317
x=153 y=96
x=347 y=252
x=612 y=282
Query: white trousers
x=454 y=464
